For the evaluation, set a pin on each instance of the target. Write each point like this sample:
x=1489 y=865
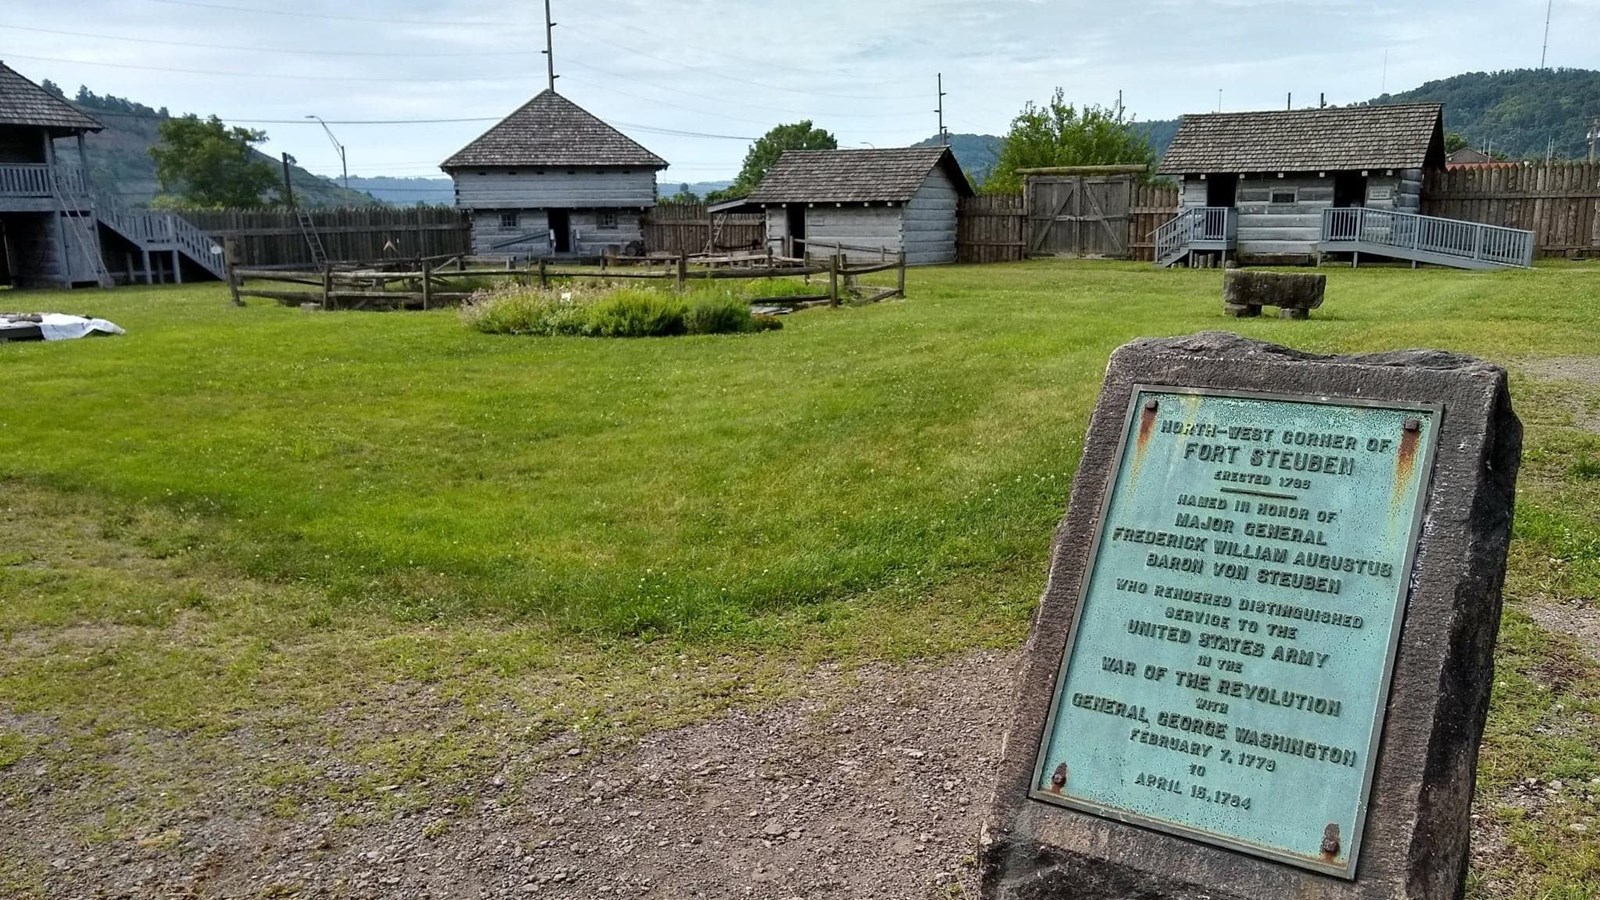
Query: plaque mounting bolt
x=1330 y=841
x=1152 y=405
x=1413 y=424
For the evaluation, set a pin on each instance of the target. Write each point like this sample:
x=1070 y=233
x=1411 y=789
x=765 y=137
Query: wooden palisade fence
x=993 y=227
x=1558 y=202
x=688 y=228
x=273 y=237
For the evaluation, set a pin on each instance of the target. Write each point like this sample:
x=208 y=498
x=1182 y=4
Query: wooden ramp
x=1424 y=239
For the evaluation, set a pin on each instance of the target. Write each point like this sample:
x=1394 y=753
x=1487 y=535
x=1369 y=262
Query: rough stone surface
x=1287 y=291
x=1416 y=841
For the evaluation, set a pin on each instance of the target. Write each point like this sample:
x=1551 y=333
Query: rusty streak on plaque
x=1226 y=678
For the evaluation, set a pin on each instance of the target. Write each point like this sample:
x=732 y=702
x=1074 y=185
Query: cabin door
x=795 y=218
x=561 y=230
x=1349 y=189
x=1222 y=190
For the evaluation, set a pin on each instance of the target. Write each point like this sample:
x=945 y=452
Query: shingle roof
x=1402 y=136
x=551 y=130
x=24 y=103
x=854 y=176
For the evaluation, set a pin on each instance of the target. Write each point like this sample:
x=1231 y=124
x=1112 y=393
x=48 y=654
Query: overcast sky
x=728 y=70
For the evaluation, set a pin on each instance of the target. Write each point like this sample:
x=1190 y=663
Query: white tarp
x=59 y=327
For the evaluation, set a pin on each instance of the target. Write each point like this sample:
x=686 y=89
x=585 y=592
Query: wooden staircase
x=154 y=231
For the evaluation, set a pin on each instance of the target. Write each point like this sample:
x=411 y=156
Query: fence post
x=230 y=250
x=900 y=279
x=683 y=270
x=833 y=280
x=327 y=285
x=544 y=278
x=427 y=284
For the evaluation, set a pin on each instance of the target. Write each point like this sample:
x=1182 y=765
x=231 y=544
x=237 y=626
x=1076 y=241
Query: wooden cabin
x=553 y=180
x=47 y=222
x=1255 y=186
x=864 y=203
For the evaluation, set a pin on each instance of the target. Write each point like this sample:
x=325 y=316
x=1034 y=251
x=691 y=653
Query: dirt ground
x=869 y=787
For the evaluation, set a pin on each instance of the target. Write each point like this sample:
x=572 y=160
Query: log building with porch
x=1291 y=186
x=48 y=229
x=551 y=179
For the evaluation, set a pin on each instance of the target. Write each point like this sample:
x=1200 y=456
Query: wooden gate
x=1079 y=215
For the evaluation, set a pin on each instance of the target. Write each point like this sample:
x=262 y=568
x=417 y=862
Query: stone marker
x=1261 y=666
x=1295 y=294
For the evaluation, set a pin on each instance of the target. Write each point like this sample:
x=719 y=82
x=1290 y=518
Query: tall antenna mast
x=1383 y=86
x=944 y=136
x=1548 y=9
x=549 y=45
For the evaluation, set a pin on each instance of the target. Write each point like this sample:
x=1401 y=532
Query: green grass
x=252 y=521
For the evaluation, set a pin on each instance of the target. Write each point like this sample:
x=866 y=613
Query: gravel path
x=870 y=787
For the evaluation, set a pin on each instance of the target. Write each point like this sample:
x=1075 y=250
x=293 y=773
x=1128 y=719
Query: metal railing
x=1414 y=236
x=39 y=180
x=1217 y=226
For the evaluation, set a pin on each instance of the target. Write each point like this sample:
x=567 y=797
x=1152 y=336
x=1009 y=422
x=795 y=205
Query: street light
x=337 y=146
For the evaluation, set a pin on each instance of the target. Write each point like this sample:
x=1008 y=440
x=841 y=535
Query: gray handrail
x=1419 y=234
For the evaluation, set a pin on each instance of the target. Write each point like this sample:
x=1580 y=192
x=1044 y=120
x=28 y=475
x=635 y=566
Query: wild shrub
x=637 y=312
x=778 y=288
x=518 y=311
x=718 y=314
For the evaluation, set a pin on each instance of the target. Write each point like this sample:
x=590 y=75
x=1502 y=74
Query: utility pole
x=549 y=45
x=944 y=136
x=1548 y=9
x=288 y=189
x=343 y=165
x=1219 y=99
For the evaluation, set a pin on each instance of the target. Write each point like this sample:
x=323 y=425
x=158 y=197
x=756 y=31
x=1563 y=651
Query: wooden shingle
x=551 y=130
x=24 y=103
x=1402 y=136
x=855 y=176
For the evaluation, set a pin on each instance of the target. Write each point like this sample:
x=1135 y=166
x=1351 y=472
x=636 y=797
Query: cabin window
x=608 y=221
x=508 y=220
x=1285 y=197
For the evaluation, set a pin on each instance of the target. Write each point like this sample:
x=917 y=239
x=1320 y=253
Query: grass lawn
x=239 y=520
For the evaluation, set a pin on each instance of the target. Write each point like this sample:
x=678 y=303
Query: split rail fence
x=432 y=282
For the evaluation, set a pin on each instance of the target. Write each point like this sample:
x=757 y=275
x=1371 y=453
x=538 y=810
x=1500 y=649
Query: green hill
x=120 y=163
x=1522 y=112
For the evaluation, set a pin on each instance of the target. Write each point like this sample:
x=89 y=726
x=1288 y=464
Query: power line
x=232 y=121
x=772 y=109
x=276 y=76
x=610 y=43
x=436 y=23
x=134 y=40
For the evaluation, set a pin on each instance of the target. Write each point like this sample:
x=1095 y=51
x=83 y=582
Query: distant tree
x=53 y=88
x=1060 y=134
x=763 y=153
x=1453 y=141
x=684 y=195
x=204 y=163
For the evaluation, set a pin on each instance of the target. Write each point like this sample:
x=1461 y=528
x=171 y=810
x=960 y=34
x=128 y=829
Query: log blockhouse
x=551 y=179
x=864 y=204
x=47 y=221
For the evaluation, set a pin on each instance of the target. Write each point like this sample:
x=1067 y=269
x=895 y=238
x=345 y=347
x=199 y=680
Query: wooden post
x=900 y=276
x=683 y=270
x=833 y=280
x=327 y=286
x=544 y=279
x=230 y=250
x=427 y=284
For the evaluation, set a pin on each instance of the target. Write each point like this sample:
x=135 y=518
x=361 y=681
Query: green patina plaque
x=1228 y=670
